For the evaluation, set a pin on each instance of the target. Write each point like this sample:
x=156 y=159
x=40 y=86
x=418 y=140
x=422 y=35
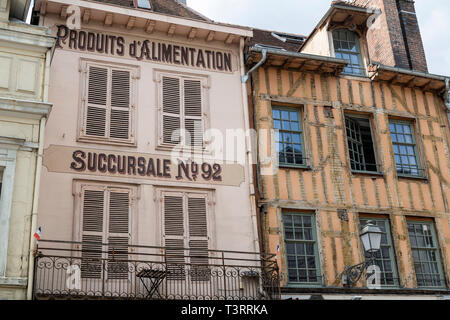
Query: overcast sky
x=301 y=16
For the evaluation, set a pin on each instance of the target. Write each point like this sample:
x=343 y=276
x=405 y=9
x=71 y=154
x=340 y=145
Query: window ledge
x=291 y=286
x=107 y=141
x=404 y=176
x=369 y=173
x=351 y=76
x=183 y=150
x=360 y=290
x=294 y=166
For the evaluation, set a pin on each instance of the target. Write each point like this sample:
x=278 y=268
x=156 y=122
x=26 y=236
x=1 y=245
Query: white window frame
x=135 y=76
x=205 y=85
x=8 y=156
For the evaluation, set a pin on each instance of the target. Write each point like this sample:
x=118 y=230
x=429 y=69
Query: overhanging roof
x=406 y=77
x=146 y=20
x=296 y=61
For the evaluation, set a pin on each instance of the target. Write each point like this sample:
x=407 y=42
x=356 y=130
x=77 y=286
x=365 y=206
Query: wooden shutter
x=193 y=112
x=120 y=104
x=174 y=235
x=118 y=234
x=198 y=238
x=97 y=96
x=171 y=107
x=92 y=237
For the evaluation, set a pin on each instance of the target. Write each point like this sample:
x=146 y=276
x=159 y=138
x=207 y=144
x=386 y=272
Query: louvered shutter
x=171 y=110
x=120 y=104
x=174 y=235
x=198 y=238
x=118 y=234
x=92 y=236
x=97 y=100
x=193 y=112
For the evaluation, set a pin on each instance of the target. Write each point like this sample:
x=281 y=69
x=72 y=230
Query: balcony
x=88 y=270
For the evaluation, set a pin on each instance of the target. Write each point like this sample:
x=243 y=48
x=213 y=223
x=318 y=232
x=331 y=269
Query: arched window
x=346 y=47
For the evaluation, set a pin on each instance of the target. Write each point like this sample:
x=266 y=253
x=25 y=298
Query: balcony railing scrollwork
x=75 y=270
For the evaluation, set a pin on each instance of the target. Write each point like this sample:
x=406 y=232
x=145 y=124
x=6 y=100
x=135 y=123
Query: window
x=182 y=118
x=346 y=47
x=288 y=136
x=360 y=144
x=301 y=248
x=105 y=221
x=185 y=217
x=385 y=258
x=143 y=4
x=405 y=148
x=108 y=103
x=425 y=253
x=291 y=38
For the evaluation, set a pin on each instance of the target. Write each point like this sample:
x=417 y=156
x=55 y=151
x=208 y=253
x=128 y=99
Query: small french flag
x=37 y=234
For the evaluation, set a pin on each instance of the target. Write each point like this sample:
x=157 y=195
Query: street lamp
x=371 y=240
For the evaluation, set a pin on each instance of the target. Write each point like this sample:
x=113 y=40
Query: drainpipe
x=447 y=98
x=248 y=144
x=34 y=213
x=37 y=182
x=256 y=66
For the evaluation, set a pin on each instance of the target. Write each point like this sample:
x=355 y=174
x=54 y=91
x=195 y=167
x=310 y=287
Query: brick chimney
x=395 y=39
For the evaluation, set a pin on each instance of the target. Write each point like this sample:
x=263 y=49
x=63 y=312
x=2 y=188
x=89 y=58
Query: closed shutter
x=193 y=112
x=174 y=236
x=120 y=104
x=108 y=103
x=97 y=99
x=171 y=107
x=93 y=215
x=118 y=234
x=198 y=238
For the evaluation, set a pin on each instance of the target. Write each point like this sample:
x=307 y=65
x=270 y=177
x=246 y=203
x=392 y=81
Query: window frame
x=315 y=242
x=392 y=255
x=84 y=76
x=205 y=112
x=185 y=193
x=360 y=55
x=78 y=191
x=301 y=132
x=436 y=249
x=417 y=153
x=9 y=147
x=378 y=163
x=138 y=6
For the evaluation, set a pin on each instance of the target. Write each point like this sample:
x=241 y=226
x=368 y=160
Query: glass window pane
x=392 y=127
x=425 y=255
x=408 y=138
x=277 y=124
x=301 y=253
x=276 y=114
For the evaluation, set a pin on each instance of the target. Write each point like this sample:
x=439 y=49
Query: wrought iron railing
x=73 y=270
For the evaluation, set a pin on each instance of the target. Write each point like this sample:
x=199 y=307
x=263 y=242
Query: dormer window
x=346 y=47
x=143 y=4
